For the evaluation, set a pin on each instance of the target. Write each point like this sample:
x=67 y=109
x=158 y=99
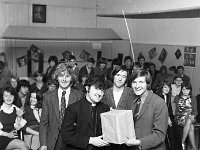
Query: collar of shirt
x=6 y=110
x=66 y=96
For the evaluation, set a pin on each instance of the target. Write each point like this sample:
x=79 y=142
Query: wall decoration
x=21 y=61
x=39 y=13
x=152 y=53
x=35 y=51
x=85 y=55
x=162 y=56
x=178 y=53
x=189 y=56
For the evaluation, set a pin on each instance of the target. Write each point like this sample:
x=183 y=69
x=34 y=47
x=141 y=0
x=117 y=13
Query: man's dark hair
x=128 y=58
x=141 y=57
x=152 y=65
x=173 y=68
x=180 y=67
x=116 y=61
x=91 y=60
x=24 y=83
x=142 y=73
x=96 y=81
x=72 y=57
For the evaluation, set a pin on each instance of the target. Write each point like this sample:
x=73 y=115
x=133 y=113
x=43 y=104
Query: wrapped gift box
x=117 y=126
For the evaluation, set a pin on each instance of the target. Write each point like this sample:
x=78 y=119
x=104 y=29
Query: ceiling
x=150 y=9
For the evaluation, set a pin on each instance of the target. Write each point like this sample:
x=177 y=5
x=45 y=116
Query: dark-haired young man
x=128 y=64
x=88 y=69
x=180 y=72
x=81 y=128
x=150 y=114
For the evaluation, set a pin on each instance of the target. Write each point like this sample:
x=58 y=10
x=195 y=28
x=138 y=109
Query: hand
x=193 y=118
x=20 y=112
x=13 y=134
x=98 y=142
x=43 y=148
x=133 y=142
x=169 y=122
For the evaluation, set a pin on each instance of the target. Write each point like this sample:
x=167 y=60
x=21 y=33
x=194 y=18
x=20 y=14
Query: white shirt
x=117 y=95
x=66 y=96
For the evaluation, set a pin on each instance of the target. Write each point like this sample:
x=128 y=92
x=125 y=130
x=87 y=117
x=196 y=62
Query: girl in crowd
x=39 y=85
x=185 y=114
x=32 y=116
x=10 y=121
x=14 y=82
x=164 y=91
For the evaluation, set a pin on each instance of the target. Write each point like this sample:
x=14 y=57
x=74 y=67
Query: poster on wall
x=152 y=53
x=85 y=55
x=21 y=61
x=162 y=56
x=35 y=51
x=178 y=53
x=189 y=56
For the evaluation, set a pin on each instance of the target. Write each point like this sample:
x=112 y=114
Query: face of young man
x=180 y=71
x=24 y=90
x=94 y=94
x=89 y=65
x=120 y=79
x=166 y=89
x=64 y=80
x=72 y=62
x=178 y=81
x=128 y=63
x=139 y=86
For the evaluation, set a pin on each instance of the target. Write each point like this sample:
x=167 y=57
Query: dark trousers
x=178 y=134
x=169 y=140
x=60 y=145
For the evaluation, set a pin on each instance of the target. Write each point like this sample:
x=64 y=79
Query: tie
x=63 y=107
x=94 y=117
x=137 y=108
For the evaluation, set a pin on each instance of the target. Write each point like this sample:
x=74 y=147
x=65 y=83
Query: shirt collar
x=61 y=90
x=4 y=108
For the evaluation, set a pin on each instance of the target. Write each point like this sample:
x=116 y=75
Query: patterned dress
x=184 y=110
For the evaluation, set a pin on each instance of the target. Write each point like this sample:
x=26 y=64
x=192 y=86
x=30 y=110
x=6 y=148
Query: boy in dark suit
x=81 y=128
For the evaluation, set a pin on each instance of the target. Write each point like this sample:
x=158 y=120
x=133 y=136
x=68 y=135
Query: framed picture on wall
x=39 y=13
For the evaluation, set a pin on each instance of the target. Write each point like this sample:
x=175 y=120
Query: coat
x=77 y=127
x=49 y=124
x=152 y=122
